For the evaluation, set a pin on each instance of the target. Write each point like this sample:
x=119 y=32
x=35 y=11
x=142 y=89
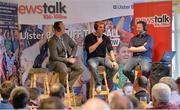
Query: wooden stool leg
x=105 y=80
x=74 y=98
x=44 y=84
x=34 y=81
x=68 y=91
x=90 y=89
x=93 y=88
x=47 y=83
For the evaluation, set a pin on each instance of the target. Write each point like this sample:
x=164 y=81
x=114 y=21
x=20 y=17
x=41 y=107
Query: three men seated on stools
x=62 y=51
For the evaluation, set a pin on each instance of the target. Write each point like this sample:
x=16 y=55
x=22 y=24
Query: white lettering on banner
x=122 y=6
x=71 y=11
x=112 y=33
x=158 y=21
x=115 y=41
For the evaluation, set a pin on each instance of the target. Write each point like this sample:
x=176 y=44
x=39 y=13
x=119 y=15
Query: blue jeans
x=93 y=65
x=144 y=62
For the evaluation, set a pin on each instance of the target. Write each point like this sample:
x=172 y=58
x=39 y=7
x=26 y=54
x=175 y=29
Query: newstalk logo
x=56 y=11
x=158 y=21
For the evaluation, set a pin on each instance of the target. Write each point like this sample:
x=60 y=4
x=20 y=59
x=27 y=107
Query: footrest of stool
x=38 y=70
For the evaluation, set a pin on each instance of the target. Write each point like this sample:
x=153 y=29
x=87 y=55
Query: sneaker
x=98 y=89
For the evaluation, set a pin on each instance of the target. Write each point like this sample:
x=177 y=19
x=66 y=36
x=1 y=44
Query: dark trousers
x=73 y=70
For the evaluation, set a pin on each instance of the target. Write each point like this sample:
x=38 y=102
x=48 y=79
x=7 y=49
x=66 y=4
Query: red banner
x=158 y=16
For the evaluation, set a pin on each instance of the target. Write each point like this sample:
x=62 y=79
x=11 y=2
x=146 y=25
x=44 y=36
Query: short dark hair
x=141 y=81
x=97 y=23
x=178 y=81
x=52 y=103
x=20 y=97
x=58 y=90
x=56 y=26
x=34 y=93
x=144 y=25
x=6 y=88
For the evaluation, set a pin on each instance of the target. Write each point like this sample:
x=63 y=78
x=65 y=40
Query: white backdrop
x=76 y=11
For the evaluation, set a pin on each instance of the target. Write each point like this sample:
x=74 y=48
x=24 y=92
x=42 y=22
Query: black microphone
x=100 y=36
x=142 y=33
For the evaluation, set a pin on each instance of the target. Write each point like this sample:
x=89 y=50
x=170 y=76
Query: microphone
x=100 y=36
x=142 y=33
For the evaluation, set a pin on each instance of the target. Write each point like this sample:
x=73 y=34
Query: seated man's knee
x=61 y=68
x=79 y=69
x=93 y=65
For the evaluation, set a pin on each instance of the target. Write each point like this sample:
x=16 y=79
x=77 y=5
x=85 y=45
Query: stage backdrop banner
x=8 y=23
x=158 y=16
x=71 y=11
x=8 y=15
x=35 y=49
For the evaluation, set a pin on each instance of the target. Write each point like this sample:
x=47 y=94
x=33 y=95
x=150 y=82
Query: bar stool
x=34 y=72
x=92 y=84
x=69 y=95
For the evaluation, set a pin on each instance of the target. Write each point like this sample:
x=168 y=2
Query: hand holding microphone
x=99 y=39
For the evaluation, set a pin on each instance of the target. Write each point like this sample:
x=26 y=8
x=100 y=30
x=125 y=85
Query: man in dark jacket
x=62 y=55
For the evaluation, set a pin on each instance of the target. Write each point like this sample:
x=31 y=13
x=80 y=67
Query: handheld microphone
x=142 y=33
x=100 y=36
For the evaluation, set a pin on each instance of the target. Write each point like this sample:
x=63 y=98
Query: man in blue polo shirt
x=141 y=46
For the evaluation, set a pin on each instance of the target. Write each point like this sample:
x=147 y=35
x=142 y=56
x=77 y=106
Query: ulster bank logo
x=48 y=11
x=158 y=21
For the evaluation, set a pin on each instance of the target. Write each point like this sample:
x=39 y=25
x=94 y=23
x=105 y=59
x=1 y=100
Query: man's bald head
x=95 y=104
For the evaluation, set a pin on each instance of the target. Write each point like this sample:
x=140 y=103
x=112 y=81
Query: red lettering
x=21 y=9
x=30 y=9
x=25 y=9
x=39 y=9
x=47 y=16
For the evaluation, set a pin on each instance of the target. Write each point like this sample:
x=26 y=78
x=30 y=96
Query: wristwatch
x=72 y=56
